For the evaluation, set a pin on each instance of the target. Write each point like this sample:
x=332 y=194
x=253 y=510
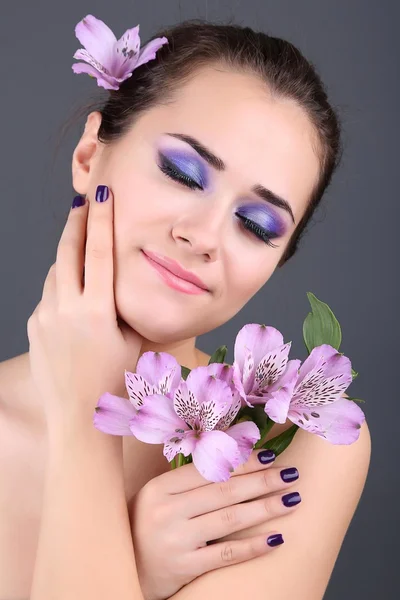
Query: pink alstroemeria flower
x=317 y=404
x=111 y=61
x=197 y=422
x=156 y=373
x=262 y=372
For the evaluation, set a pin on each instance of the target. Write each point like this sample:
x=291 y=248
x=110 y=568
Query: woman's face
x=198 y=219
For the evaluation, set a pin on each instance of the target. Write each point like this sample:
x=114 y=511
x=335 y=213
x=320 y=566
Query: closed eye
x=171 y=171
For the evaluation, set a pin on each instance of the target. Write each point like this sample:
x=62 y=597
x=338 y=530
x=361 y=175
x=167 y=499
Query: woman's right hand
x=176 y=515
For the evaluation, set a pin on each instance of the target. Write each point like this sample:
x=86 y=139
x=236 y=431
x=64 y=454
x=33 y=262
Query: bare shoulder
x=332 y=478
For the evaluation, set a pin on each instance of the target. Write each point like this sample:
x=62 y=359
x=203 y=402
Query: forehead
x=261 y=139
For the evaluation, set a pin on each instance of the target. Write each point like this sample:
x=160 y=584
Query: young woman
x=213 y=155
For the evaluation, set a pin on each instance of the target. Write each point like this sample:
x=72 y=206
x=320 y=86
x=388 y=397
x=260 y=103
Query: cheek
x=249 y=277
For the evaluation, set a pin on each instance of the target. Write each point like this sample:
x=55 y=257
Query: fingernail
x=102 y=193
x=290 y=474
x=266 y=456
x=275 y=540
x=78 y=201
x=291 y=499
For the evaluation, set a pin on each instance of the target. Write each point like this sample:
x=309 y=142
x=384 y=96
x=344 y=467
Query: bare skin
x=22 y=468
x=276 y=149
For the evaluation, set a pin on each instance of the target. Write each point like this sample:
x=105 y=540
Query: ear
x=86 y=153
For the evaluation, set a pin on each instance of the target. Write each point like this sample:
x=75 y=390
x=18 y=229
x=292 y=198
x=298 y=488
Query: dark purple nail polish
x=102 y=193
x=290 y=474
x=291 y=499
x=266 y=456
x=78 y=201
x=275 y=540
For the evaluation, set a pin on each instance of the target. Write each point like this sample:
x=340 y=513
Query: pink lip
x=170 y=266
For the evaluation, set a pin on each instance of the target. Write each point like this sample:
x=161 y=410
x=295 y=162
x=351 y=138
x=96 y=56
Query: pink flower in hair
x=109 y=60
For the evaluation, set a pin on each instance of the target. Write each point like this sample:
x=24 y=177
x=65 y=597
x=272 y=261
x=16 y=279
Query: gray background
x=348 y=259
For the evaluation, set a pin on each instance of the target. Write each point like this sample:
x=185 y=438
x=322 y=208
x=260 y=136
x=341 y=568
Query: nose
x=201 y=232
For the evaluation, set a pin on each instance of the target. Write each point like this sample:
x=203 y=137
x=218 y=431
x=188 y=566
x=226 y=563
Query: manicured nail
x=275 y=540
x=102 y=193
x=291 y=499
x=266 y=456
x=290 y=474
x=78 y=201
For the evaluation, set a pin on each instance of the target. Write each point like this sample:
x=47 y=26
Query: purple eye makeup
x=185 y=168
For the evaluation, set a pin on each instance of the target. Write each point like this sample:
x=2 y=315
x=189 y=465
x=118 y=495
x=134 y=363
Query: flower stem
x=181 y=460
x=173 y=463
x=268 y=426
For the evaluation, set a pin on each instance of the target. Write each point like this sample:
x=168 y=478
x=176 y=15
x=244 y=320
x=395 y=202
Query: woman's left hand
x=78 y=350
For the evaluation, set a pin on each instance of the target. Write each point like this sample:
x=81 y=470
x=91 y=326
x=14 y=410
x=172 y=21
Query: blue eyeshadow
x=187 y=163
x=264 y=217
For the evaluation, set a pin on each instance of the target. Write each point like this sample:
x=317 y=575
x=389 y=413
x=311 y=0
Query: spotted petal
x=329 y=377
x=138 y=388
x=258 y=339
x=160 y=369
x=180 y=443
x=338 y=423
x=156 y=421
x=186 y=405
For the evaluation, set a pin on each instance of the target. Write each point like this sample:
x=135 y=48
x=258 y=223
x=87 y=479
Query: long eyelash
x=167 y=168
x=257 y=231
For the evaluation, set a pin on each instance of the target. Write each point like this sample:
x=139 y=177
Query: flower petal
x=258 y=339
x=213 y=395
x=138 y=388
x=216 y=455
x=186 y=405
x=161 y=370
x=227 y=419
x=271 y=367
x=156 y=421
x=246 y=435
x=185 y=445
x=103 y=80
x=126 y=53
x=317 y=355
x=326 y=382
x=148 y=51
x=97 y=38
x=277 y=401
x=113 y=414
x=338 y=423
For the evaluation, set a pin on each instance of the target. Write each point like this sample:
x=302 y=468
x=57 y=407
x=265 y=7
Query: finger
x=70 y=255
x=237 y=489
x=220 y=523
x=188 y=477
x=49 y=287
x=99 y=260
x=232 y=552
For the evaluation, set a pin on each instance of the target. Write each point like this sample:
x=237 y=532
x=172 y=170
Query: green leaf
x=256 y=414
x=279 y=443
x=354 y=374
x=219 y=355
x=321 y=326
x=185 y=372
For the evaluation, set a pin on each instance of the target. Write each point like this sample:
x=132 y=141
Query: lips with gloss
x=174 y=281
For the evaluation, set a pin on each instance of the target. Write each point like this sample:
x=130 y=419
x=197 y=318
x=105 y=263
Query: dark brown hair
x=194 y=44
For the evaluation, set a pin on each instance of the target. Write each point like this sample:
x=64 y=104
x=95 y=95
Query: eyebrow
x=219 y=165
